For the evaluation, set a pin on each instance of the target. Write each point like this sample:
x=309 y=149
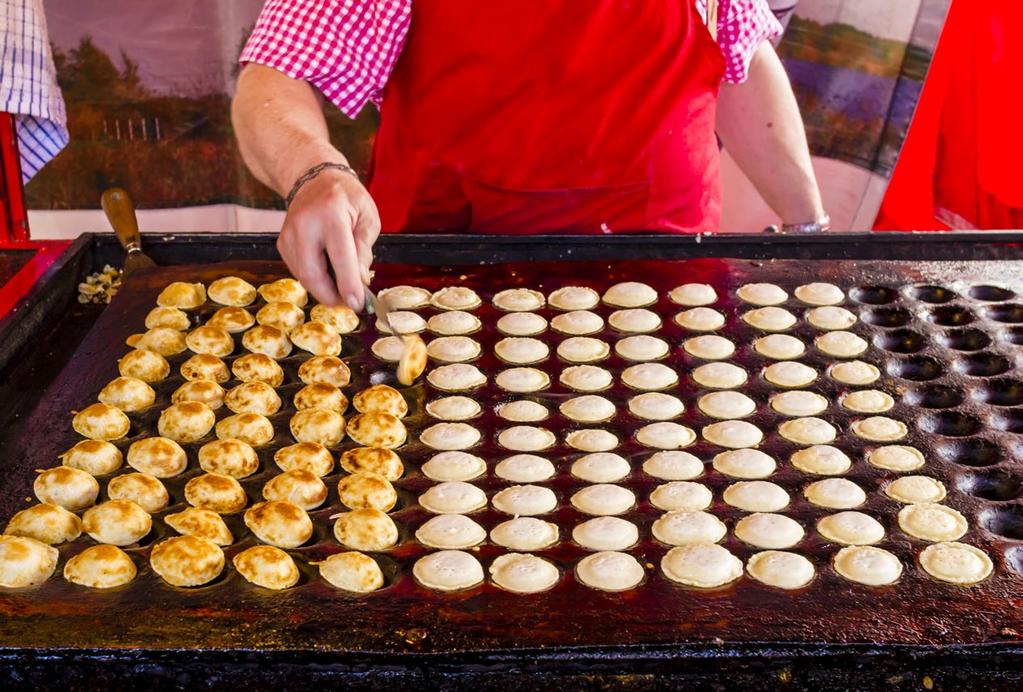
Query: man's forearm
x=760 y=125
x=280 y=127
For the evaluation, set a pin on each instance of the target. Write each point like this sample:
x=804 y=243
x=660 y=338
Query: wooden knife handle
x=121 y=214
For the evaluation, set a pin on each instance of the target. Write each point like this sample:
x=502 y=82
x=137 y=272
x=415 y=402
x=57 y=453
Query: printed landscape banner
x=148 y=87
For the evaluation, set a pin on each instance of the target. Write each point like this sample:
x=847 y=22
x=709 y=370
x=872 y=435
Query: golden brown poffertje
x=341 y=318
x=267 y=566
x=205 y=523
x=145 y=365
x=279 y=523
x=311 y=456
x=25 y=562
x=367 y=490
x=285 y=290
x=128 y=394
x=187 y=560
x=233 y=291
x=365 y=529
x=70 y=488
x=267 y=340
x=284 y=316
x=96 y=457
x=100 y=567
x=301 y=487
x=170 y=317
x=321 y=396
x=250 y=428
x=187 y=421
x=352 y=571
x=182 y=295
x=258 y=367
x=216 y=492
x=375 y=429
x=318 y=338
x=101 y=422
x=47 y=523
x=318 y=425
x=211 y=340
x=381 y=398
x=162 y=340
x=325 y=370
x=375 y=460
x=203 y=366
x=157 y=456
x=204 y=391
x=229 y=457
x=117 y=522
x=141 y=488
x=253 y=397
x=232 y=320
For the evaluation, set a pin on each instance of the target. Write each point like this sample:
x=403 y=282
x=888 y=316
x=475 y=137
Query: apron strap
x=712 y=18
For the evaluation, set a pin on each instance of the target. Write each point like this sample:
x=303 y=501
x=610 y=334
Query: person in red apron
x=504 y=117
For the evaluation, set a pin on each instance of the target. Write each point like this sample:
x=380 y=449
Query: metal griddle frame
x=717 y=665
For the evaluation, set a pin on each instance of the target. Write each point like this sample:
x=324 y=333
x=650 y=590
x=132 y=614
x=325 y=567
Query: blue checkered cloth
x=28 y=84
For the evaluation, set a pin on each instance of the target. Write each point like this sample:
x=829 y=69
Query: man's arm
x=760 y=125
x=282 y=133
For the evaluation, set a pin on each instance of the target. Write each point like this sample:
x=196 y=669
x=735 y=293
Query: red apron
x=580 y=116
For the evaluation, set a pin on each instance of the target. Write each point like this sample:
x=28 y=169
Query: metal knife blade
x=380 y=307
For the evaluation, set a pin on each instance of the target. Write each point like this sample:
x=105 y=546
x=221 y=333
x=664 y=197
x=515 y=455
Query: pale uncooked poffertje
x=380 y=460
x=100 y=567
x=799 y=403
x=746 y=464
x=630 y=294
x=457 y=377
x=95 y=457
x=453 y=497
x=366 y=489
x=454 y=323
x=157 y=456
x=169 y=317
x=600 y=467
x=578 y=323
x=519 y=300
x=216 y=492
x=700 y=319
x=726 y=405
x=279 y=523
x=521 y=324
x=320 y=425
x=269 y=341
x=808 y=431
x=311 y=456
x=267 y=566
x=450 y=436
x=205 y=523
x=204 y=367
x=253 y=397
x=609 y=570
x=756 y=496
x=144 y=490
x=376 y=429
x=67 y=487
x=453 y=349
x=251 y=428
x=182 y=295
x=352 y=571
x=820 y=293
x=720 y=375
x=591 y=440
x=526 y=438
x=143 y=364
x=932 y=522
x=646 y=377
x=46 y=523
x=101 y=422
x=523 y=573
x=868 y=565
x=187 y=560
x=521 y=350
x=851 y=528
x=606 y=533
x=822 y=460
x=205 y=391
x=854 y=372
x=448 y=570
x=635 y=320
x=128 y=394
x=583 y=349
x=709 y=347
x=318 y=338
x=769 y=530
x=405 y=297
x=673 y=466
x=300 y=487
x=525 y=500
x=401 y=322
x=692 y=295
x=586 y=378
x=780 y=569
x=702 y=565
x=835 y=493
x=210 y=340
x=320 y=395
x=880 y=429
x=733 y=434
x=325 y=370
x=641 y=347
x=681 y=496
x=187 y=421
x=770 y=319
x=589 y=408
x=867 y=401
x=340 y=318
x=762 y=294
x=899 y=458
x=25 y=562
x=232 y=320
x=841 y=344
x=916 y=489
x=117 y=522
x=365 y=529
x=573 y=298
x=656 y=406
x=451 y=532
x=790 y=374
x=454 y=466
x=524 y=468
x=956 y=563
x=455 y=298
x=665 y=435
x=779 y=346
x=525 y=533
x=603 y=499
x=830 y=317
x=454 y=408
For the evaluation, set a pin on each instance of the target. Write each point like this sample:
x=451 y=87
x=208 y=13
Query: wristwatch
x=820 y=226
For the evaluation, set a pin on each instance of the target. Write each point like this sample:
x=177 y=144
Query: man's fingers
x=367 y=229
x=310 y=267
x=347 y=274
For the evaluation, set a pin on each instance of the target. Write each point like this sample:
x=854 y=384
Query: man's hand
x=332 y=224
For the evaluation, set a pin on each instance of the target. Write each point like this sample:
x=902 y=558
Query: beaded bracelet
x=312 y=173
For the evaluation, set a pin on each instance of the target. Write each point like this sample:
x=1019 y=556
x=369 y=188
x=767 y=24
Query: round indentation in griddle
x=916 y=368
x=949 y=424
x=1012 y=335
x=1009 y=420
x=970 y=452
x=888 y=317
x=1014 y=559
x=964 y=339
x=901 y=341
x=982 y=364
x=933 y=396
x=996 y=486
x=874 y=295
x=1002 y=392
x=1006 y=521
x=1008 y=313
x=990 y=294
x=949 y=316
x=930 y=294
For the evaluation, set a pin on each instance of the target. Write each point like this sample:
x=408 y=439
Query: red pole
x=13 y=217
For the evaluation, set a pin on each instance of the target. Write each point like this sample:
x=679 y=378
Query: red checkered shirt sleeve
x=344 y=48
x=742 y=26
